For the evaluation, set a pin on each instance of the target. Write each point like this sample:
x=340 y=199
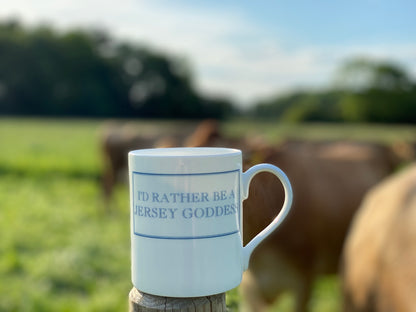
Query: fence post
x=142 y=302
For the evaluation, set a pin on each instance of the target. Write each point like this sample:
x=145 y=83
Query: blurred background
x=82 y=82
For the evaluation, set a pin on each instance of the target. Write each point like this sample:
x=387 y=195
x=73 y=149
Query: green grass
x=326 y=297
x=60 y=250
x=276 y=132
x=30 y=146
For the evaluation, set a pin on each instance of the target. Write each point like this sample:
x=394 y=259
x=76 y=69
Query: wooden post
x=142 y=302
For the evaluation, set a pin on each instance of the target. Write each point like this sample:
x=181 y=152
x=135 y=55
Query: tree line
x=86 y=73
x=364 y=90
x=44 y=72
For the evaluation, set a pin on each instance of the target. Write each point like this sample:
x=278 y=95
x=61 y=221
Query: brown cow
x=379 y=272
x=118 y=139
x=329 y=180
x=206 y=132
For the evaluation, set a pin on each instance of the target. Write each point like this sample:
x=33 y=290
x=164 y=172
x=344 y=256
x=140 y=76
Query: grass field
x=59 y=248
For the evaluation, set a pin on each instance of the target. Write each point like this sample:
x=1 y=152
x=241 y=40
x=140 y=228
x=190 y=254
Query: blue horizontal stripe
x=185 y=237
x=184 y=174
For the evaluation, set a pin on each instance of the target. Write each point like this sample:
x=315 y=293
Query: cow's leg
x=303 y=294
x=252 y=298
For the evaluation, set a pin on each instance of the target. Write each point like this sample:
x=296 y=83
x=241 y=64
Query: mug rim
x=191 y=152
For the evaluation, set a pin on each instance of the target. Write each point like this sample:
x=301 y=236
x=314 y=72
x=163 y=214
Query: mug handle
x=246 y=177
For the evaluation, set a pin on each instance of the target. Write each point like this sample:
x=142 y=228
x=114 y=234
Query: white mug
x=186 y=219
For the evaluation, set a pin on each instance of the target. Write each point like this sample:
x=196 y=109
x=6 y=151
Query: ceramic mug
x=186 y=219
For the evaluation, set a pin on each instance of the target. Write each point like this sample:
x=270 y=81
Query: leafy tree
x=387 y=94
x=364 y=91
x=81 y=73
x=358 y=74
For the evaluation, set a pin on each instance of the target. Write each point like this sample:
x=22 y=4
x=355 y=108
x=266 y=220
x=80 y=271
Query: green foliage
x=364 y=91
x=381 y=106
x=314 y=107
x=80 y=73
x=358 y=74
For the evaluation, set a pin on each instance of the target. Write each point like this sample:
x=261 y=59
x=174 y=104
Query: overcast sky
x=246 y=49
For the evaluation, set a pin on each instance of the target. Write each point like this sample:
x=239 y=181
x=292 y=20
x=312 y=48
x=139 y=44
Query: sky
x=246 y=50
